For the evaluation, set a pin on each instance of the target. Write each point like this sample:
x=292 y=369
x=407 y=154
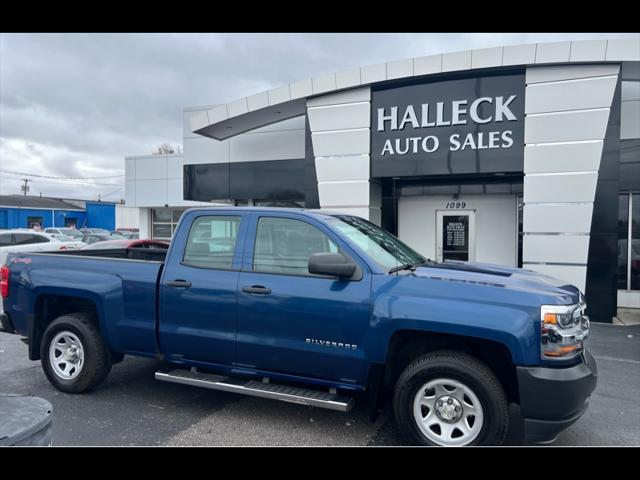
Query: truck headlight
x=563 y=329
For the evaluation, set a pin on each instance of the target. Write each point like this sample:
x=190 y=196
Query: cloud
x=77 y=104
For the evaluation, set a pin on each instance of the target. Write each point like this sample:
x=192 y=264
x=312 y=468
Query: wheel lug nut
x=450 y=401
x=457 y=409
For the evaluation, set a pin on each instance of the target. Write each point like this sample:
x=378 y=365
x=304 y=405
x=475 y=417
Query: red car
x=124 y=243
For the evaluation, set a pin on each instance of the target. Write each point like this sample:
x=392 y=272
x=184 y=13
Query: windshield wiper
x=404 y=266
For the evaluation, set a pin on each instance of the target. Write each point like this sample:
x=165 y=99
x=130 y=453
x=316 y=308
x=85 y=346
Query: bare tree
x=164 y=149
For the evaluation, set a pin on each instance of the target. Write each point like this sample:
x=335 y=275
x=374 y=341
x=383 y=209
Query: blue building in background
x=20 y=211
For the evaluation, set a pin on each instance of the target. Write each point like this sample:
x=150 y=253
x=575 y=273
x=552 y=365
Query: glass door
x=455 y=235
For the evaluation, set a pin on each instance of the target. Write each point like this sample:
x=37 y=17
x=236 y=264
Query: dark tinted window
x=212 y=242
x=29 y=238
x=5 y=239
x=284 y=245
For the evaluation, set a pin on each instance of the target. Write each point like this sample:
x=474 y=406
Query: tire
x=477 y=396
x=90 y=357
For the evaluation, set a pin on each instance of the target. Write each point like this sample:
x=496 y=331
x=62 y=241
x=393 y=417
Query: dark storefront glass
x=623 y=230
x=635 y=242
x=455 y=237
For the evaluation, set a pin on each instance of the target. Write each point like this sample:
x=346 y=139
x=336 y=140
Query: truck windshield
x=385 y=249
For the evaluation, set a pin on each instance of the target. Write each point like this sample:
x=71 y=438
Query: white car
x=71 y=243
x=23 y=240
x=71 y=232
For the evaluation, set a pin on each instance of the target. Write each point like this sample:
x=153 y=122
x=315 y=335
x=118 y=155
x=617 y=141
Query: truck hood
x=500 y=276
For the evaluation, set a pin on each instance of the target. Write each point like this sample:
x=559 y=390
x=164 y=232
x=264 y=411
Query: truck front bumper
x=552 y=399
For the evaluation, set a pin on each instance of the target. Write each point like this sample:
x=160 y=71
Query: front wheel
x=73 y=355
x=449 y=398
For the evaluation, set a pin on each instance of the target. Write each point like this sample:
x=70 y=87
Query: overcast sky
x=75 y=105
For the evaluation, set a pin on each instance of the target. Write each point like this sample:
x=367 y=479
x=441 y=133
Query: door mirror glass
x=333 y=264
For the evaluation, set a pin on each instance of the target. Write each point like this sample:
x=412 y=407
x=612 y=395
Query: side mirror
x=333 y=264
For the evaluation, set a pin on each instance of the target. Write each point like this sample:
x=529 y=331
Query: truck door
x=197 y=309
x=293 y=322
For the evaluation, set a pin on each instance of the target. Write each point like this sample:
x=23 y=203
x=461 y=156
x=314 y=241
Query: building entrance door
x=456 y=235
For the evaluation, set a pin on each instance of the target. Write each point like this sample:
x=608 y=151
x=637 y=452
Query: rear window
x=5 y=239
x=212 y=242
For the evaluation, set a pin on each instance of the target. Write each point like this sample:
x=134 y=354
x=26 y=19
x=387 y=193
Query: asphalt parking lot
x=131 y=408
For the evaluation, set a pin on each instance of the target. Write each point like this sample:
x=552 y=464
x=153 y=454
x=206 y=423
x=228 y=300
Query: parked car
x=24 y=240
x=101 y=231
x=129 y=234
x=70 y=242
x=90 y=238
x=71 y=232
x=318 y=309
x=124 y=243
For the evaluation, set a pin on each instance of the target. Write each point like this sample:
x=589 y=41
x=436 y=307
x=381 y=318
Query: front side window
x=385 y=249
x=284 y=246
x=212 y=242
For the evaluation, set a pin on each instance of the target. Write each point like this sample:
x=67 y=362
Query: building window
x=32 y=221
x=628 y=272
x=164 y=222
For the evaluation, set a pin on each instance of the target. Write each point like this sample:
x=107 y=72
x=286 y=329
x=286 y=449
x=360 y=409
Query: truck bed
x=150 y=254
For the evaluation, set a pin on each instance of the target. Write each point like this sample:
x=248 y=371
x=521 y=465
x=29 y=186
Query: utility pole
x=25 y=187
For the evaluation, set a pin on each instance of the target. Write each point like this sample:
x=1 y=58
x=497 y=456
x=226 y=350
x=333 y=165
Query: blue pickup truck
x=316 y=308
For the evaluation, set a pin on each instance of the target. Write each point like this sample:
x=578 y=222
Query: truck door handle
x=179 y=283
x=257 y=289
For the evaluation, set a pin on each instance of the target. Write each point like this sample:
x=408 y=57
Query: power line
x=12 y=172
x=70 y=181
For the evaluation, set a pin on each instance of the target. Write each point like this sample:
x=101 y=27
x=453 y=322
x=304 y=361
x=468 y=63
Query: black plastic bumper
x=552 y=399
x=5 y=323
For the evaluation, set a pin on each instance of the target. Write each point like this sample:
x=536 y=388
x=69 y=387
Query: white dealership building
x=525 y=155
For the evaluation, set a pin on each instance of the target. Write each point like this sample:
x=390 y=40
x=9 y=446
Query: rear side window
x=212 y=242
x=5 y=240
x=284 y=245
x=28 y=239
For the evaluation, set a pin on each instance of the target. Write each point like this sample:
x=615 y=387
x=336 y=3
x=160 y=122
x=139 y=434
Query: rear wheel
x=73 y=354
x=450 y=398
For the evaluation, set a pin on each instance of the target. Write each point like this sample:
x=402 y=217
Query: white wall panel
x=344 y=194
x=630 y=119
x=348 y=96
x=568 y=72
x=335 y=169
x=558 y=188
x=339 y=117
x=400 y=68
x=486 y=57
x=519 y=54
x=302 y=88
x=258 y=101
x=151 y=167
x=205 y=150
x=456 y=61
x=570 y=95
x=427 y=65
x=555 y=248
x=151 y=193
x=130 y=168
x=564 y=217
x=553 y=52
x=572 y=275
x=324 y=83
x=238 y=107
x=348 y=78
x=195 y=121
x=345 y=142
x=373 y=73
x=563 y=157
x=130 y=193
x=281 y=145
x=174 y=166
x=566 y=126
x=588 y=51
x=175 y=191
x=363 y=212
x=279 y=95
x=623 y=50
